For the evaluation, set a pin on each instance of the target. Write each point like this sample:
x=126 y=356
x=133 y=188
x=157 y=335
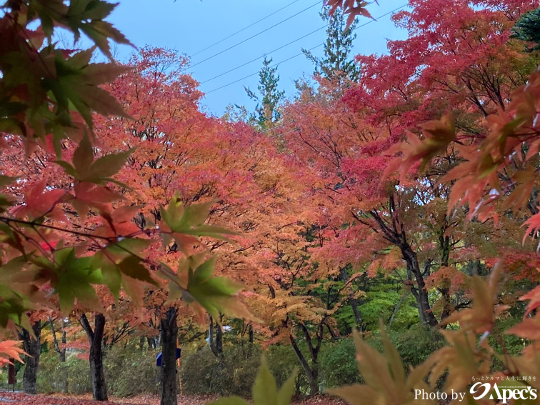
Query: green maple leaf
x=87 y=16
x=75 y=279
x=125 y=263
x=187 y=222
x=76 y=86
x=215 y=294
x=14 y=305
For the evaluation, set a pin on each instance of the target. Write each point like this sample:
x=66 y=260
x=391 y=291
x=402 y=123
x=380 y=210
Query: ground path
x=17 y=398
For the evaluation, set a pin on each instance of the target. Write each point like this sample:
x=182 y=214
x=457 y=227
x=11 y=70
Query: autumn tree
x=508 y=129
x=60 y=242
x=184 y=153
x=377 y=113
x=306 y=299
x=503 y=145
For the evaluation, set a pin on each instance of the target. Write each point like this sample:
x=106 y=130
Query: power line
x=253 y=74
x=262 y=56
x=298 y=54
x=257 y=34
x=245 y=28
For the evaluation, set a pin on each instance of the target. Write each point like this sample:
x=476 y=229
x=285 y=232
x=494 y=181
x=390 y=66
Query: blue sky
x=189 y=26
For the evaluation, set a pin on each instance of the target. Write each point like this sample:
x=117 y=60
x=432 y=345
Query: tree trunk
x=141 y=343
x=421 y=294
x=444 y=246
x=169 y=334
x=99 y=385
x=395 y=234
x=32 y=346
x=353 y=302
x=312 y=373
x=151 y=342
x=215 y=338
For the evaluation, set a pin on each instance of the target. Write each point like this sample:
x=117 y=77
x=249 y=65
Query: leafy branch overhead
x=353 y=8
x=68 y=229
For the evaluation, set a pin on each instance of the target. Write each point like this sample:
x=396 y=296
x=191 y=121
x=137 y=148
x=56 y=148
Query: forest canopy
x=389 y=208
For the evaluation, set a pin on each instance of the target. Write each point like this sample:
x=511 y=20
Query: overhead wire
x=256 y=73
x=298 y=54
x=262 y=56
x=245 y=28
x=255 y=35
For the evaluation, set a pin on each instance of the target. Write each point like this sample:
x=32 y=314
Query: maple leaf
x=120 y=264
x=39 y=201
x=204 y=290
x=85 y=169
x=533 y=226
x=529 y=328
x=485 y=309
x=437 y=136
x=534 y=299
x=385 y=377
x=73 y=280
x=351 y=7
x=9 y=350
x=184 y=224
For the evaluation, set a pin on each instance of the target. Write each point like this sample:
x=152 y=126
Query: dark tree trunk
x=215 y=338
x=312 y=372
x=141 y=343
x=32 y=346
x=393 y=231
x=444 y=245
x=95 y=337
x=169 y=334
x=250 y=333
x=353 y=302
x=421 y=293
x=151 y=342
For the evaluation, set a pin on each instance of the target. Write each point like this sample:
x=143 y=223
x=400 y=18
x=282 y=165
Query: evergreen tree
x=266 y=112
x=336 y=63
x=528 y=29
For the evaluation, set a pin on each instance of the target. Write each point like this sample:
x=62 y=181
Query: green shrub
x=506 y=343
x=131 y=371
x=234 y=374
x=128 y=371
x=417 y=343
x=198 y=371
x=282 y=361
x=338 y=364
x=54 y=376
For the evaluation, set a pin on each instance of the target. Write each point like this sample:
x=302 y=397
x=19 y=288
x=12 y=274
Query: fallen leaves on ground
x=17 y=398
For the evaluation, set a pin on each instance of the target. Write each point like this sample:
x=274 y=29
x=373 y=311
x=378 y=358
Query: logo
x=480 y=390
